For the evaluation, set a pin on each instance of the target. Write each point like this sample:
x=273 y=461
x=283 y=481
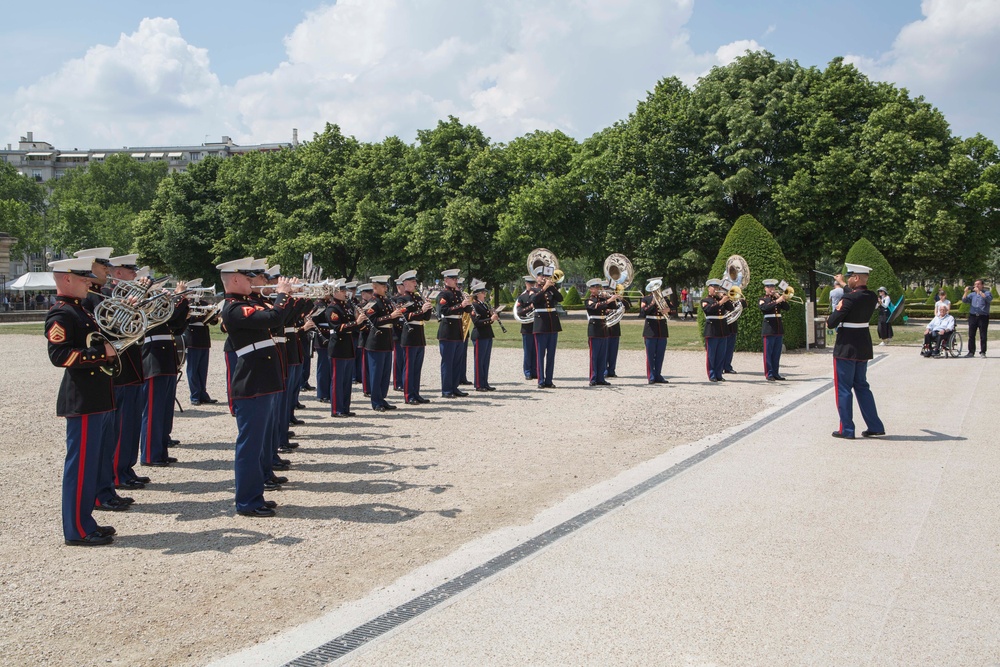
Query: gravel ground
x=369 y=500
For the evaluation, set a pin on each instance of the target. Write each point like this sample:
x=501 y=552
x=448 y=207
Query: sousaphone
x=735 y=279
x=619 y=273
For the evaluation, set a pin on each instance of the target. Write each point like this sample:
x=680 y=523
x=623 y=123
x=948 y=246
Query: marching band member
x=451 y=305
x=85 y=399
x=713 y=304
x=654 y=333
x=159 y=368
x=398 y=358
x=597 y=330
x=413 y=339
x=614 y=338
x=482 y=335
x=256 y=381
x=351 y=288
x=547 y=327
x=380 y=313
x=772 y=328
x=198 y=343
x=463 y=351
x=107 y=498
x=525 y=306
x=362 y=371
x=128 y=396
x=733 y=329
x=321 y=342
x=851 y=352
x=341 y=349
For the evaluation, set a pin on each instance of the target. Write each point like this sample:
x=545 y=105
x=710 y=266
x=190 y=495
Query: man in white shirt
x=938 y=329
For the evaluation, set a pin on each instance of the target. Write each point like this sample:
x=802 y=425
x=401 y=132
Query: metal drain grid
x=347 y=642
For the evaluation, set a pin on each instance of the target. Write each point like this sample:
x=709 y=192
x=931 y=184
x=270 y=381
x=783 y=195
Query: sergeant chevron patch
x=56 y=334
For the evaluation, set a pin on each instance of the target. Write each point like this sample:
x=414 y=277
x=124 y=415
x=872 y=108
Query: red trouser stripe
x=80 y=473
x=118 y=448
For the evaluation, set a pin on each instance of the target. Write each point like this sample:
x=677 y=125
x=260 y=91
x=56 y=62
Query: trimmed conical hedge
x=882 y=275
x=749 y=239
x=572 y=298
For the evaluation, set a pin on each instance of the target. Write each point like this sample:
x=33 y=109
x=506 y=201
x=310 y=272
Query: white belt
x=416 y=324
x=778 y=316
x=545 y=310
x=714 y=317
x=597 y=317
x=196 y=324
x=655 y=317
x=246 y=349
x=854 y=325
x=385 y=326
x=153 y=339
x=279 y=339
x=290 y=329
x=453 y=317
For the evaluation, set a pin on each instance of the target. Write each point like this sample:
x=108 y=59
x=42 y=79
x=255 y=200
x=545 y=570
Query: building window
x=36 y=267
x=36 y=174
x=195 y=157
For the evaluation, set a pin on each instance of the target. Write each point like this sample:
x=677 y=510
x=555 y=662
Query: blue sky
x=140 y=73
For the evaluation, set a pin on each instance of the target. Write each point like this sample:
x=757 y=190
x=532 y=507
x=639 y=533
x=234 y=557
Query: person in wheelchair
x=938 y=330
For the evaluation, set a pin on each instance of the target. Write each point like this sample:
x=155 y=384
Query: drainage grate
x=347 y=642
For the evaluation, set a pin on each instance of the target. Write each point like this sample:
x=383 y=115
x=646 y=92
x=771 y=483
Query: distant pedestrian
x=979 y=298
x=884 y=312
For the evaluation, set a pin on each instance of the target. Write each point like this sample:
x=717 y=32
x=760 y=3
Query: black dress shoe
x=592 y=384
x=380 y=408
x=460 y=393
x=171 y=459
x=352 y=414
x=723 y=380
x=290 y=434
x=464 y=382
x=389 y=406
x=271 y=486
x=871 y=434
x=130 y=485
x=340 y=414
x=173 y=443
x=490 y=388
x=733 y=371
x=604 y=383
x=661 y=381
x=611 y=375
x=413 y=401
x=299 y=406
x=448 y=395
x=481 y=389
x=106 y=530
x=210 y=401
x=771 y=378
x=124 y=499
x=549 y=385
x=713 y=379
x=281 y=466
x=838 y=434
x=324 y=400
x=95 y=539
x=270 y=504
x=367 y=395
x=291 y=445
x=296 y=421
x=112 y=506
x=196 y=403
x=423 y=400
x=278 y=479
x=260 y=511
x=308 y=387
x=779 y=377
x=144 y=480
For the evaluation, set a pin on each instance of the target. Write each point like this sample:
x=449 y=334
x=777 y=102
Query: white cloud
x=949 y=57
x=379 y=67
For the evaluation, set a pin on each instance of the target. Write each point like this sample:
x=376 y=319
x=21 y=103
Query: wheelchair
x=952 y=345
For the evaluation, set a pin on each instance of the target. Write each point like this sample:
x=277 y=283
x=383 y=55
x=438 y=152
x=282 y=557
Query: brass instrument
x=735 y=278
x=519 y=317
x=619 y=273
x=540 y=257
x=790 y=297
x=659 y=295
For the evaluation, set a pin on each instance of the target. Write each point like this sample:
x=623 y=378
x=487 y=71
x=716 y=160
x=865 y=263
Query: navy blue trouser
x=307 y=363
x=323 y=370
x=482 y=352
x=613 y=355
x=715 y=357
x=197 y=373
x=530 y=362
x=545 y=356
x=398 y=361
x=413 y=366
x=341 y=385
x=380 y=371
x=727 y=364
x=106 y=464
x=157 y=408
x=772 y=355
x=449 y=364
x=294 y=387
x=128 y=416
x=85 y=441
x=359 y=365
x=656 y=350
x=255 y=418
x=852 y=376
x=598 y=358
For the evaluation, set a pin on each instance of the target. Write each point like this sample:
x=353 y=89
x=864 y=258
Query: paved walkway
x=780 y=545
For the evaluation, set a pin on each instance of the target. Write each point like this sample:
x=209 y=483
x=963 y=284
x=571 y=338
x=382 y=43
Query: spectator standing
x=942 y=297
x=884 y=310
x=978 y=297
x=837 y=293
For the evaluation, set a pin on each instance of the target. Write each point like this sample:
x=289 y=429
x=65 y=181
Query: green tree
x=22 y=212
x=755 y=244
x=882 y=275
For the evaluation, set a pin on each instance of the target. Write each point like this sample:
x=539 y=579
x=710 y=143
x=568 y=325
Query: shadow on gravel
x=223 y=540
x=364 y=487
x=367 y=513
x=186 y=510
x=932 y=436
x=352 y=468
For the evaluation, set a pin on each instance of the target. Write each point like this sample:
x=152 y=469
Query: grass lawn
x=683 y=335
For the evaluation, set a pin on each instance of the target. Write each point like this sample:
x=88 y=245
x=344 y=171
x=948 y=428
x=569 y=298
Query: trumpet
x=790 y=297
